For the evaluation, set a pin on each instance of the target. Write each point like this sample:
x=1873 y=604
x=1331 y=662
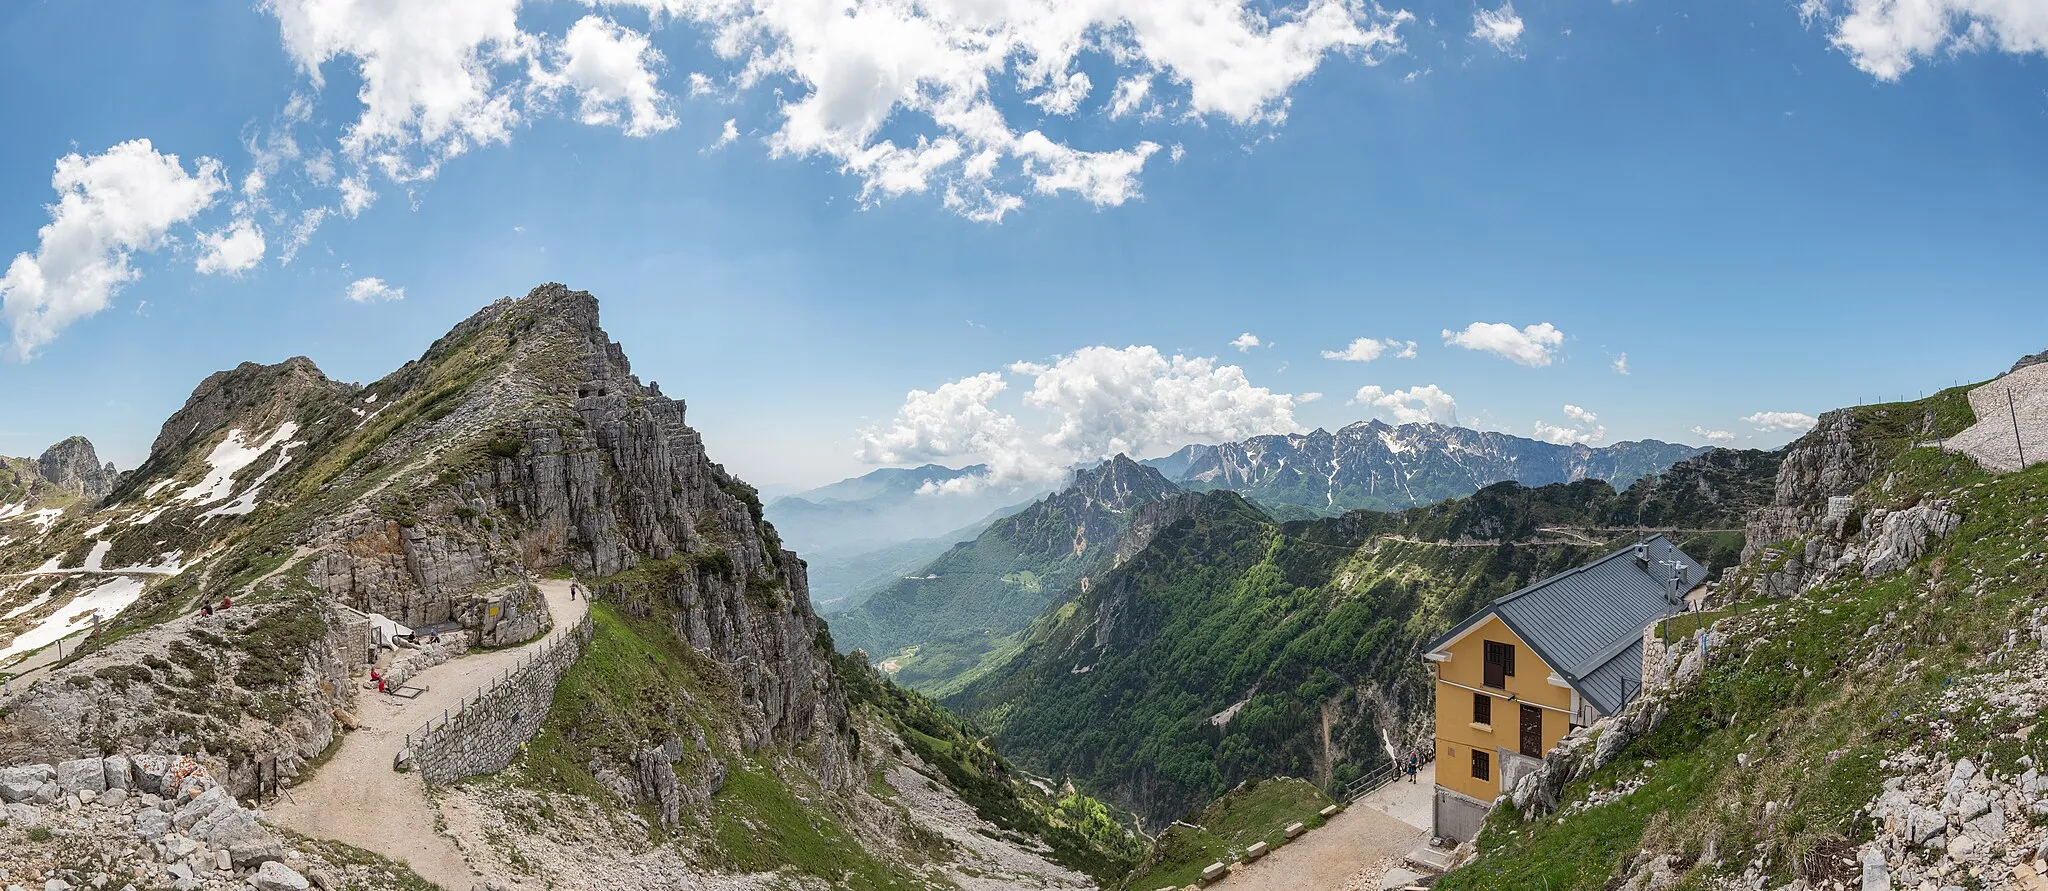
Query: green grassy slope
x=1773 y=756
x=1240 y=818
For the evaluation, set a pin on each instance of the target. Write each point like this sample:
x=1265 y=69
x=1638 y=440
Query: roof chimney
x=1643 y=554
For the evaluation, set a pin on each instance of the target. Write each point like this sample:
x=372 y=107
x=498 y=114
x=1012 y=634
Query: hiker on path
x=207 y=609
x=1414 y=762
x=226 y=601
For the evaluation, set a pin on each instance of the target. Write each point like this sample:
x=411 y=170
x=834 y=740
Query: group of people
x=207 y=609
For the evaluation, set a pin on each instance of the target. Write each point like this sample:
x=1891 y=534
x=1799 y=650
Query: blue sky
x=1767 y=209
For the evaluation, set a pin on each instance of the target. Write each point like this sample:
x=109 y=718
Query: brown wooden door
x=1500 y=663
x=1532 y=731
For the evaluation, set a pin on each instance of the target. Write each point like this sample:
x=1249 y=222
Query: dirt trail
x=1374 y=832
x=357 y=798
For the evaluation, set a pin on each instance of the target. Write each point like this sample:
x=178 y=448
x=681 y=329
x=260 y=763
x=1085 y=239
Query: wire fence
x=574 y=636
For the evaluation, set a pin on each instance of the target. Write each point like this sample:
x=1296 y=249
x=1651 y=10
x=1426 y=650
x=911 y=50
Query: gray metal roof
x=1587 y=624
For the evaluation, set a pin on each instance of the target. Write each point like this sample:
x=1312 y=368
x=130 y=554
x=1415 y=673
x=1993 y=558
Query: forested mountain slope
x=964 y=608
x=1226 y=646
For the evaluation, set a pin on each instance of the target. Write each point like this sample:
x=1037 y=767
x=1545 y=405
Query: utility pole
x=2015 y=412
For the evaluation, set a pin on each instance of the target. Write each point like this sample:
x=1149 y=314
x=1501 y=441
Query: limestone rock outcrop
x=74 y=467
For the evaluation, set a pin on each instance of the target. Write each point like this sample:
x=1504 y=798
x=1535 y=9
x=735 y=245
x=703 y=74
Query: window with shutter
x=1482 y=708
x=1482 y=765
x=1500 y=663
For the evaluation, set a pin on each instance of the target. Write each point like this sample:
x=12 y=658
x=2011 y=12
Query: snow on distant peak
x=228 y=459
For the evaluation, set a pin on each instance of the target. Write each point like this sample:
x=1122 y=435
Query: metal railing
x=576 y=635
x=1375 y=780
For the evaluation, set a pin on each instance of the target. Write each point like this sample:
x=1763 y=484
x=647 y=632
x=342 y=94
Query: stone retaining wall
x=486 y=734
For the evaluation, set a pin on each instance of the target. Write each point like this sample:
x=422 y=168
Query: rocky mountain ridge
x=1377 y=466
x=518 y=444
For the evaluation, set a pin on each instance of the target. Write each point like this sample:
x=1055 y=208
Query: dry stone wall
x=486 y=734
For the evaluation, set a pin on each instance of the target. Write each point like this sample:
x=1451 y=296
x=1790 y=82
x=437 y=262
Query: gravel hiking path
x=1360 y=839
x=1990 y=441
x=357 y=798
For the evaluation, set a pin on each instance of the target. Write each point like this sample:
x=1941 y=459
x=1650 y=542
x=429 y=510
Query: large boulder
x=22 y=783
x=197 y=809
x=151 y=824
x=117 y=770
x=82 y=775
x=275 y=876
x=22 y=815
x=1904 y=535
x=149 y=772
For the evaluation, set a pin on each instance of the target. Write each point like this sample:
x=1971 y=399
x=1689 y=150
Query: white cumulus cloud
x=1246 y=342
x=928 y=71
x=1886 y=38
x=1366 y=349
x=438 y=76
x=1583 y=428
x=373 y=290
x=1769 y=421
x=1535 y=345
x=234 y=248
x=1621 y=364
x=611 y=69
x=109 y=206
x=728 y=134
x=1083 y=406
x=1713 y=435
x=1500 y=27
x=1426 y=404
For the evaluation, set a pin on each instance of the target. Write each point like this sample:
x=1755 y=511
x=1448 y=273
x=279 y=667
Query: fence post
x=2015 y=412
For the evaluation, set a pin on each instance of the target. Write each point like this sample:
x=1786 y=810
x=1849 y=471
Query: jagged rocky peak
x=251 y=395
x=1120 y=484
x=75 y=468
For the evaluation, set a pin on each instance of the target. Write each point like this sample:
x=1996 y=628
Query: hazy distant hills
x=859 y=534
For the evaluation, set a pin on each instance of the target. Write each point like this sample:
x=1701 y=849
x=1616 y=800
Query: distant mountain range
x=1377 y=466
x=956 y=613
x=859 y=534
x=939 y=624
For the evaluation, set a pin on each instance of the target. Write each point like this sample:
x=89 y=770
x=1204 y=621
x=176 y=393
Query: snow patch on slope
x=105 y=600
x=228 y=459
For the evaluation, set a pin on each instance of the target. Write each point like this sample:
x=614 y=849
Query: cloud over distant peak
x=1082 y=406
x=1426 y=404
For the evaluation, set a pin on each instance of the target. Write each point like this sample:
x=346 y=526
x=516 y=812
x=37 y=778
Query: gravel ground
x=1352 y=850
x=357 y=798
x=1990 y=441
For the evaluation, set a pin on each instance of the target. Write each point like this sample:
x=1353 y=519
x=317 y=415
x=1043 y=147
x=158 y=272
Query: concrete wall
x=486 y=734
x=1457 y=817
x=1457 y=736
